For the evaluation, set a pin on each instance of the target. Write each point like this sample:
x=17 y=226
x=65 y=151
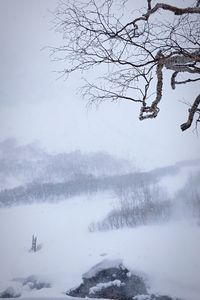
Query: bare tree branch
x=176 y=10
x=136 y=50
x=194 y=109
x=153 y=110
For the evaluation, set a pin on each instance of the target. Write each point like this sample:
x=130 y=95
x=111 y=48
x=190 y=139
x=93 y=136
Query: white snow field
x=168 y=254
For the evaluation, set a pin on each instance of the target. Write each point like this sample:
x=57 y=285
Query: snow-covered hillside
x=23 y=164
x=168 y=254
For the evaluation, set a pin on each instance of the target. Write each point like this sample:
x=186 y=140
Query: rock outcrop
x=9 y=293
x=110 y=279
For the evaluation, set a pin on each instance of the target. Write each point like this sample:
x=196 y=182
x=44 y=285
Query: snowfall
x=167 y=254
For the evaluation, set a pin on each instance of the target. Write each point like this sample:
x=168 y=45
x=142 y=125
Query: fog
x=89 y=181
x=37 y=106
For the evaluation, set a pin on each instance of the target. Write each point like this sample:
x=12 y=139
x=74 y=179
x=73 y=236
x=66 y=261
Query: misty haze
x=100 y=150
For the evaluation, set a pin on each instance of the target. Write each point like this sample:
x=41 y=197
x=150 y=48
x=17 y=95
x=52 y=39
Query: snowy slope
x=169 y=255
x=174 y=182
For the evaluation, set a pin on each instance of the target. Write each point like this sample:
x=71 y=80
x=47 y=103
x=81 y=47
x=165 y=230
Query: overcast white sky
x=36 y=106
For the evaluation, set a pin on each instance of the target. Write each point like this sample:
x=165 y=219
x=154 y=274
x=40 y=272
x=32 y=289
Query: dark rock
x=110 y=279
x=9 y=293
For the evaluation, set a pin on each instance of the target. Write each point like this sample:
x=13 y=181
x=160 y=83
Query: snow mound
x=100 y=286
x=142 y=297
x=103 y=265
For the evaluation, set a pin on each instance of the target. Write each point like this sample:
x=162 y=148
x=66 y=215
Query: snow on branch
x=130 y=53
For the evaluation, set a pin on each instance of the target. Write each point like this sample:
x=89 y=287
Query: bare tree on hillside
x=140 y=49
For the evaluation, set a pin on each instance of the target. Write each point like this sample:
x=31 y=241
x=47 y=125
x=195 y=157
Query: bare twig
x=135 y=51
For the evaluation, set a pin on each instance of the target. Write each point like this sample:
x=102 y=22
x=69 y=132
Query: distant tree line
x=82 y=184
x=139 y=205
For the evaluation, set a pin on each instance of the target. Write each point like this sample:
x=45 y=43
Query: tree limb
x=176 y=10
x=192 y=112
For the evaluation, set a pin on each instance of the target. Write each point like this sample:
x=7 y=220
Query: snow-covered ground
x=168 y=254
